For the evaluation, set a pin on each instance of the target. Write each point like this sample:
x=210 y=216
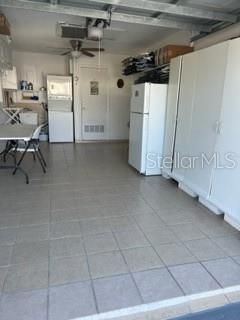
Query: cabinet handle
x=216 y=126
x=219 y=127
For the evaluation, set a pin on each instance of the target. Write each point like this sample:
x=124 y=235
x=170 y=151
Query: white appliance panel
x=140 y=98
x=60 y=105
x=59 y=87
x=60 y=126
x=156 y=126
x=138 y=141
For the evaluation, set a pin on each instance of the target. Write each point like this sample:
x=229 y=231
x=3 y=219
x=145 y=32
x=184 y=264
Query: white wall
x=34 y=67
x=119 y=99
x=179 y=37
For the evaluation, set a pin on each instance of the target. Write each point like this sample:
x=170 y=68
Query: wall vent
x=94 y=128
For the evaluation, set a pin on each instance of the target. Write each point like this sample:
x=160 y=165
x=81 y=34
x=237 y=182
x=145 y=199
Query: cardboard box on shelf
x=4 y=25
x=165 y=54
x=172 y=51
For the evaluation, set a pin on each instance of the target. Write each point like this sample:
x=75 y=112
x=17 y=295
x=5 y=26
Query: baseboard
x=210 y=206
x=166 y=176
x=187 y=190
x=102 y=141
x=233 y=222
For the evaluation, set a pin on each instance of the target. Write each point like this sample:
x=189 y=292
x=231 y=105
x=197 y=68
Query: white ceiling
x=35 y=31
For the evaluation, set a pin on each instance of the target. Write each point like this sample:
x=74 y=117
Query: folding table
x=17 y=132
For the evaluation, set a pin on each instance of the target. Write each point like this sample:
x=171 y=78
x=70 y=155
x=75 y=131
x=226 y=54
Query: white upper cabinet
x=205 y=117
x=225 y=181
x=9 y=79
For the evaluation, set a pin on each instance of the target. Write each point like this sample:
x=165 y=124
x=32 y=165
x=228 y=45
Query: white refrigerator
x=147 y=121
x=60 y=109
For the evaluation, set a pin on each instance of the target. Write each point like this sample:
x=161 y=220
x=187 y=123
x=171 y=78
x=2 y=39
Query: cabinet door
x=171 y=112
x=205 y=116
x=225 y=181
x=9 y=79
x=185 y=105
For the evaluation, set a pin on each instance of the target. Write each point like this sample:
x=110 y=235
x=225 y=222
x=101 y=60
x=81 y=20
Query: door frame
x=78 y=103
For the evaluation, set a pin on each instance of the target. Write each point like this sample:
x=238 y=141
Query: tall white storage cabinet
x=185 y=106
x=203 y=126
x=225 y=181
x=208 y=128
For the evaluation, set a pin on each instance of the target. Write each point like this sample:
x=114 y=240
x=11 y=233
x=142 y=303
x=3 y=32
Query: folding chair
x=32 y=146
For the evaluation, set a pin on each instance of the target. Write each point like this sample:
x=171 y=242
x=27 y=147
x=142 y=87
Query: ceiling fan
x=77 y=48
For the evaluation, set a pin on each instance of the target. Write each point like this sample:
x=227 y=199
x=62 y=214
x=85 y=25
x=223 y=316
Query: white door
x=205 y=117
x=225 y=182
x=185 y=106
x=140 y=98
x=138 y=141
x=94 y=103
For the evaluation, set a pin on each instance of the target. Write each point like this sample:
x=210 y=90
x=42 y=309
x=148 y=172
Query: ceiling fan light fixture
x=75 y=54
x=95 y=33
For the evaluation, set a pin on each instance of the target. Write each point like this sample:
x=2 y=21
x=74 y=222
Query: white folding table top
x=16 y=132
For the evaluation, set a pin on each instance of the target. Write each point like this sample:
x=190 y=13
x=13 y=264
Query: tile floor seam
x=195 y=255
x=7 y=273
x=178 y=284
x=164 y=264
x=91 y=280
x=224 y=250
x=48 y=293
x=233 y=258
x=132 y=277
x=215 y=279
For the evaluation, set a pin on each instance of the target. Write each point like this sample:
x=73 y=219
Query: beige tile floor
x=93 y=236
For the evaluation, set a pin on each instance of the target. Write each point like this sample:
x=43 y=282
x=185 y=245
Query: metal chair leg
x=39 y=157
x=42 y=157
x=41 y=162
x=21 y=159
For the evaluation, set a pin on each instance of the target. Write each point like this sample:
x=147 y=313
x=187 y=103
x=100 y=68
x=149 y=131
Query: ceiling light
x=75 y=54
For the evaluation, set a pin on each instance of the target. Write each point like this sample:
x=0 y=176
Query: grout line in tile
x=91 y=279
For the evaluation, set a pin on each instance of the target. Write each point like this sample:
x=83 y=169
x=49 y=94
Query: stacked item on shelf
x=137 y=64
x=4 y=25
x=157 y=75
x=165 y=54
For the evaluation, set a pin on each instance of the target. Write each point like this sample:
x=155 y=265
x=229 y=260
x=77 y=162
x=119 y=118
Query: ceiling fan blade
x=66 y=53
x=87 y=53
x=59 y=48
x=93 y=49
